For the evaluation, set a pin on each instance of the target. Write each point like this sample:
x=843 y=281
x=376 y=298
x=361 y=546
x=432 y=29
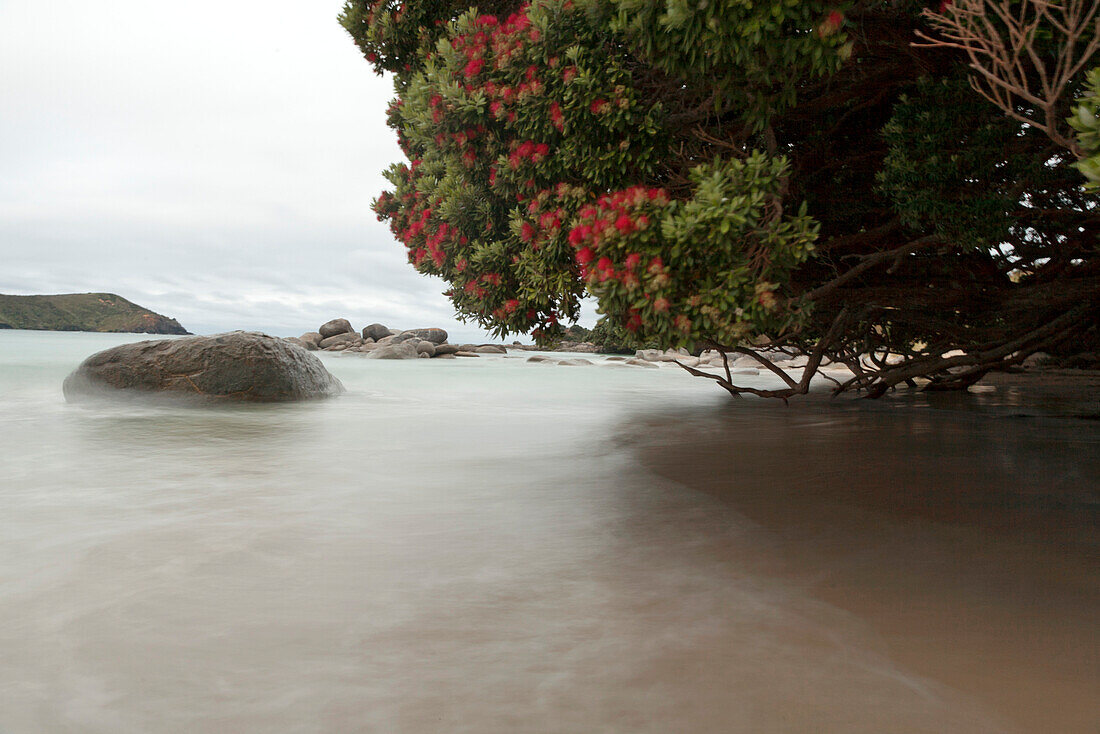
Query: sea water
x=491 y=545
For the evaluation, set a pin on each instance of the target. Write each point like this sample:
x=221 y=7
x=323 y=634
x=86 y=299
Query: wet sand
x=967 y=542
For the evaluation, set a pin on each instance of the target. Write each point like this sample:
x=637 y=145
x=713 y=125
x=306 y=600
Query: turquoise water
x=488 y=545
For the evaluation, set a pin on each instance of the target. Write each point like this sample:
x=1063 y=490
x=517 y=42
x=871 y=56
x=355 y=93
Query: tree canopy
x=789 y=172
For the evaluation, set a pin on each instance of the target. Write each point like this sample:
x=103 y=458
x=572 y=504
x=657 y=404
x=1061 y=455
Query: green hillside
x=83 y=312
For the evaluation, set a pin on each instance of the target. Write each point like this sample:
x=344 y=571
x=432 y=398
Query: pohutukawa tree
x=797 y=175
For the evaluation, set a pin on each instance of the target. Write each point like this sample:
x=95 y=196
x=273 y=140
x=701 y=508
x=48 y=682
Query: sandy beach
x=972 y=555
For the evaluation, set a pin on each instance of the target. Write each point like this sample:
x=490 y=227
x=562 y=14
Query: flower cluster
x=505 y=146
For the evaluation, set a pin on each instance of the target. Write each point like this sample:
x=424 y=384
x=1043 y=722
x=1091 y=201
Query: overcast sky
x=211 y=160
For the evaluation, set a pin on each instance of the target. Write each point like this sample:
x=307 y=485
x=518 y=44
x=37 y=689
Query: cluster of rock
x=739 y=365
x=381 y=342
x=563 y=346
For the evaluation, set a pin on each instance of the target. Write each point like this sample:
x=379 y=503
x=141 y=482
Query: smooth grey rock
x=393 y=351
x=689 y=361
x=375 y=331
x=346 y=338
x=434 y=335
x=615 y=359
x=640 y=363
x=426 y=347
x=745 y=372
x=442 y=349
x=311 y=340
x=537 y=358
x=296 y=341
x=337 y=348
x=334 y=327
x=491 y=349
x=448 y=355
x=649 y=355
x=404 y=336
x=573 y=362
x=466 y=354
x=384 y=341
x=238 y=366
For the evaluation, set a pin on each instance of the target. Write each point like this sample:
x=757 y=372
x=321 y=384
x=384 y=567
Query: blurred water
x=452 y=546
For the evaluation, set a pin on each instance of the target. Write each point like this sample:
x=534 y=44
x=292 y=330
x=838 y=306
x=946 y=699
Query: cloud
x=213 y=161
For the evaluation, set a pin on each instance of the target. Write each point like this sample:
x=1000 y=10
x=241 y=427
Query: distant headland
x=83 y=312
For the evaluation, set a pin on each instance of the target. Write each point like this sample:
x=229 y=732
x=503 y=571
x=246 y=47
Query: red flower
x=660 y=305
x=474 y=66
x=585 y=255
x=632 y=260
x=831 y=24
x=624 y=224
x=527 y=232
x=511 y=305
x=556 y=116
x=605 y=264
x=656 y=265
x=599 y=106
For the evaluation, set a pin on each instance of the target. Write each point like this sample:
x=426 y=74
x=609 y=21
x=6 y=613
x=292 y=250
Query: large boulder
x=334 y=327
x=393 y=351
x=491 y=349
x=238 y=366
x=425 y=347
x=433 y=335
x=311 y=340
x=443 y=349
x=345 y=339
x=376 y=332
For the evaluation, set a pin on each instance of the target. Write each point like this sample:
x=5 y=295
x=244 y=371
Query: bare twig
x=1009 y=69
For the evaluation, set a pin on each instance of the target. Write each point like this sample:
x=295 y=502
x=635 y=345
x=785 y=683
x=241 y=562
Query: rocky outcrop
x=433 y=335
x=311 y=340
x=393 y=351
x=376 y=341
x=235 y=367
x=334 y=327
x=375 y=331
x=346 y=339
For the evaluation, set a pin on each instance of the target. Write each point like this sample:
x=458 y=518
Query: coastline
x=975 y=570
